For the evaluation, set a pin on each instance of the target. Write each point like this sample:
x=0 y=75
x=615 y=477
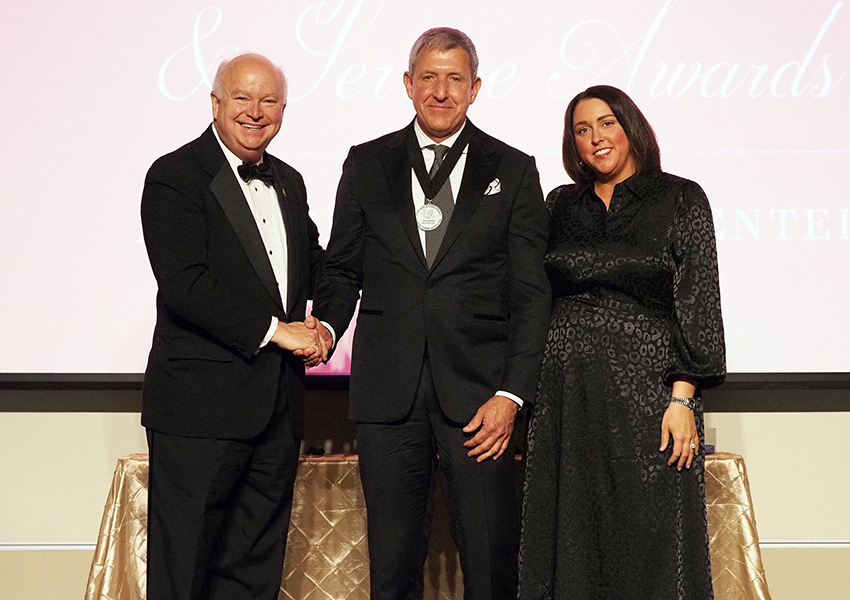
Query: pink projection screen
x=750 y=99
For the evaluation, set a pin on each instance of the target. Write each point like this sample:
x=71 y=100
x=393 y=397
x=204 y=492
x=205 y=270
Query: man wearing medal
x=443 y=229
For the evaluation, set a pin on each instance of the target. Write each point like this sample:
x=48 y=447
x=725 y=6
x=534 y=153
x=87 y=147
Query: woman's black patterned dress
x=636 y=305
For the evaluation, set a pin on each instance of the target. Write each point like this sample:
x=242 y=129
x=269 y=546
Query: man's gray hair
x=218 y=82
x=444 y=38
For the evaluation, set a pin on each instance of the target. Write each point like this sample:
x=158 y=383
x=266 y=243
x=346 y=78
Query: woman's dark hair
x=642 y=141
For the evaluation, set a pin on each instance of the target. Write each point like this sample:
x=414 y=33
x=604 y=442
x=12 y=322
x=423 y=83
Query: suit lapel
x=230 y=197
x=481 y=165
x=395 y=159
x=294 y=226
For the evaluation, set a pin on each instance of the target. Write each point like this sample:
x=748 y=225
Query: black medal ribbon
x=432 y=186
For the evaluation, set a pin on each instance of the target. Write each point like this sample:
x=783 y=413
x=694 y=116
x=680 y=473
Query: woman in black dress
x=614 y=504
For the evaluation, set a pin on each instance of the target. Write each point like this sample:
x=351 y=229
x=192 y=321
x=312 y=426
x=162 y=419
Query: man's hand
x=300 y=340
x=495 y=423
x=325 y=343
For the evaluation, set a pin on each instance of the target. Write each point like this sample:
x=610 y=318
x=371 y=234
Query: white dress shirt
x=263 y=201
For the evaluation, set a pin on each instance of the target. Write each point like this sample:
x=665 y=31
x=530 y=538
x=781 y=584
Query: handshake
x=309 y=340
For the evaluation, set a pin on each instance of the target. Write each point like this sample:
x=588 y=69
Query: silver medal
x=429 y=217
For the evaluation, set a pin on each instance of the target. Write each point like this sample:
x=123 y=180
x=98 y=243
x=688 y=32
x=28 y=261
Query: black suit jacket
x=482 y=310
x=217 y=294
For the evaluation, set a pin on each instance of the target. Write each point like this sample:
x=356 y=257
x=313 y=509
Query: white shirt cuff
x=331 y=330
x=269 y=334
x=513 y=397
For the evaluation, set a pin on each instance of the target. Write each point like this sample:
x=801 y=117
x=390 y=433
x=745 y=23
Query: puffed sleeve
x=699 y=345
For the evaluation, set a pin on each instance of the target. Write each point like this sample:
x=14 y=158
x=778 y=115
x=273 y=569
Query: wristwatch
x=691 y=403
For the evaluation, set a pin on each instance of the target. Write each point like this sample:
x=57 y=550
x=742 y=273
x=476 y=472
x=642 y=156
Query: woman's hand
x=679 y=422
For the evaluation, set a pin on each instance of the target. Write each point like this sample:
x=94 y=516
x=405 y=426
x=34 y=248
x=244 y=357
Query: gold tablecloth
x=327 y=556
x=737 y=572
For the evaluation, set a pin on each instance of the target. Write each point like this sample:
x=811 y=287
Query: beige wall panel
x=798 y=472
x=793 y=574
x=56 y=469
x=807 y=573
x=44 y=575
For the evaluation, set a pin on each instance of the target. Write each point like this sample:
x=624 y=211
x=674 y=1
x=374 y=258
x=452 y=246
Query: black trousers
x=398 y=462
x=218 y=514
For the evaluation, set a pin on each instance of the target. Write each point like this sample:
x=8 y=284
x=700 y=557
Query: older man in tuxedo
x=235 y=255
x=443 y=230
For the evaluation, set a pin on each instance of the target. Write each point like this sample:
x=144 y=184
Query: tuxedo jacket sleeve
x=481 y=311
x=216 y=296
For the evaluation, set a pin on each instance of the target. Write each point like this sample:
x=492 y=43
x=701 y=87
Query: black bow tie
x=262 y=171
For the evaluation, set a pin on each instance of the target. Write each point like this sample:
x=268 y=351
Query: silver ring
x=693 y=446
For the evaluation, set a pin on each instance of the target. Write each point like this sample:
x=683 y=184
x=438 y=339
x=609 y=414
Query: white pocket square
x=494 y=188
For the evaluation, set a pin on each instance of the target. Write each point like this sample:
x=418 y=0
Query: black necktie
x=262 y=171
x=444 y=201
